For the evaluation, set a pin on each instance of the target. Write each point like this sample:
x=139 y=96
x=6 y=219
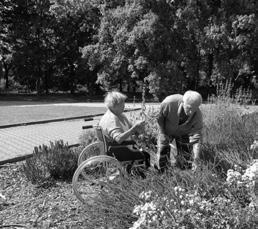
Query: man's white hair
x=113 y=98
x=192 y=98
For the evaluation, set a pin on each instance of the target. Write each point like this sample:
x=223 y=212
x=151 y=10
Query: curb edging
x=58 y=119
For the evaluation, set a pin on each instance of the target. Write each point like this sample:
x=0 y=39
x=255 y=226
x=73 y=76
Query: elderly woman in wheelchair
x=113 y=156
x=118 y=129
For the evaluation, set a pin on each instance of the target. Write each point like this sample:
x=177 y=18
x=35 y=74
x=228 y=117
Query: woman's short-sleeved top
x=114 y=125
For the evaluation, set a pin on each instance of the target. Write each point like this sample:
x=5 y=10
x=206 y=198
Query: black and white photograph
x=129 y=114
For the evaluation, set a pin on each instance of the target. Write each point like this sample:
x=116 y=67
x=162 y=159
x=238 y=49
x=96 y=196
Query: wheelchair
x=98 y=167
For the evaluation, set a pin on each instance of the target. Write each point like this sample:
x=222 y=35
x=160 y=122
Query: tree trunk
x=39 y=78
x=6 y=75
x=46 y=82
x=48 y=74
x=71 y=77
x=121 y=85
x=210 y=65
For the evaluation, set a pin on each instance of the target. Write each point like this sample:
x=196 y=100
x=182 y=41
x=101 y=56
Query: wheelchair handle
x=88 y=119
x=87 y=127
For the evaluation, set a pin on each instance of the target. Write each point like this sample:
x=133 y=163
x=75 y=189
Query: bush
x=218 y=195
x=227 y=134
x=147 y=140
x=190 y=210
x=228 y=131
x=87 y=137
x=225 y=125
x=202 y=200
x=56 y=161
x=176 y=199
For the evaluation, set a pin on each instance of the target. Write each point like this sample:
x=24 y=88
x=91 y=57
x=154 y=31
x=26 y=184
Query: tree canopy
x=168 y=46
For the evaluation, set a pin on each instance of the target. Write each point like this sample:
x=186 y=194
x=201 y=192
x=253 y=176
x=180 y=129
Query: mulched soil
x=50 y=205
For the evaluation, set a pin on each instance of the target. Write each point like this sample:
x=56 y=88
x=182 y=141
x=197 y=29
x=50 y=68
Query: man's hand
x=163 y=156
x=163 y=139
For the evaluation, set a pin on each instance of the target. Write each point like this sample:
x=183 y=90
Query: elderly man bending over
x=181 y=119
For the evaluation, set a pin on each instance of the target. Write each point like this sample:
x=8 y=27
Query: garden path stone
x=17 y=143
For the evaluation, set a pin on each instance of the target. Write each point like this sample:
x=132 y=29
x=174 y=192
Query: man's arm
x=162 y=138
x=196 y=151
x=196 y=138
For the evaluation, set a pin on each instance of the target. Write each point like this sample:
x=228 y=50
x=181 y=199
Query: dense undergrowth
x=219 y=194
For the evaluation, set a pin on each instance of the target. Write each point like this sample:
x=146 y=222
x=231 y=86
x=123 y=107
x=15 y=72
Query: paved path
x=17 y=143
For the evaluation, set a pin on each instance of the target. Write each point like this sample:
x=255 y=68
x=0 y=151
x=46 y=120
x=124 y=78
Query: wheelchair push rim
x=94 y=175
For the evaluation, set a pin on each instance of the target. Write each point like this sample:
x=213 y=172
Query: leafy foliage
x=87 y=138
x=56 y=161
x=124 y=44
x=167 y=44
x=129 y=42
x=45 y=37
x=186 y=208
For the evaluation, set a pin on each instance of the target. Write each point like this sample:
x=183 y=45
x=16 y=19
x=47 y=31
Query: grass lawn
x=8 y=100
x=10 y=113
x=13 y=115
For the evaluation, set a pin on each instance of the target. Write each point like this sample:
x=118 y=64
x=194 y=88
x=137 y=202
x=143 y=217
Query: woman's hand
x=139 y=126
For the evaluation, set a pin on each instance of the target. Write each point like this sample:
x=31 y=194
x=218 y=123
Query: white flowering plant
x=188 y=209
x=241 y=183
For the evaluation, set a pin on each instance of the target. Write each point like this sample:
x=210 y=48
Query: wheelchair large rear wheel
x=94 y=176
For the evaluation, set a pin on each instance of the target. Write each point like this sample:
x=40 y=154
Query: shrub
x=228 y=130
x=190 y=210
x=87 y=137
x=226 y=121
x=34 y=169
x=181 y=199
x=176 y=199
x=147 y=140
x=56 y=161
x=224 y=125
x=218 y=195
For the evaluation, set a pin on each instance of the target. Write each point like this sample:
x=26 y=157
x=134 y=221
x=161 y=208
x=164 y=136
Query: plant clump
x=56 y=161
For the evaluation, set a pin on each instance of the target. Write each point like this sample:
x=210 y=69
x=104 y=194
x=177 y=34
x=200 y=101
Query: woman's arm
x=125 y=135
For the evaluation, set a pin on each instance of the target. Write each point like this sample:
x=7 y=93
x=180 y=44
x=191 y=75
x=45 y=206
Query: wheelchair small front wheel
x=91 y=150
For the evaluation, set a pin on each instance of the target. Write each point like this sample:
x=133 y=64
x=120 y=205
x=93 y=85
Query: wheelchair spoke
x=94 y=176
x=94 y=149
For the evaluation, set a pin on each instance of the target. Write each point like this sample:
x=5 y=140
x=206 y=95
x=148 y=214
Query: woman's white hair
x=192 y=98
x=113 y=98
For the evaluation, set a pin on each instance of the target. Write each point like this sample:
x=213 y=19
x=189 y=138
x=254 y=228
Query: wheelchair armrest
x=124 y=143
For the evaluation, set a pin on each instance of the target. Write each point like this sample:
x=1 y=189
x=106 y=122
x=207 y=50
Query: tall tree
x=137 y=39
x=34 y=50
x=168 y=43
x=6 y=40
x=76 y=24
x=229 y=38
